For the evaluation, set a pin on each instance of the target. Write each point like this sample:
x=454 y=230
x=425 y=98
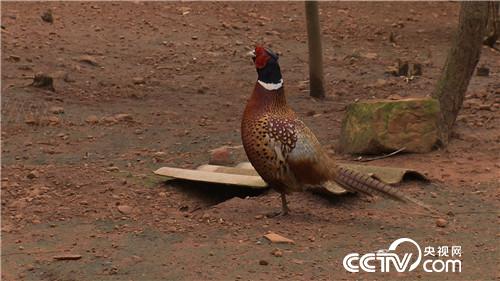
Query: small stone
x=277 y=253
x=138 y=80
x=68 y=257
x=483 y=71
x=68 y=78
x=53 y=120
x=14 y=58
x=56 y=110
x=276 y=238
x=33 y=174
x=263 y=262
x=109 y=120
x=370 y=55
x=441 y=222
x=92 y=119
x=30 y=120
x=112 y=169
x=43 y=81
x=124 y=117
x=88 y=60
x=221 y=156
x=47 y=16
x=160 y=154
x=485 y=107
x=125 y=209
x=394 y=97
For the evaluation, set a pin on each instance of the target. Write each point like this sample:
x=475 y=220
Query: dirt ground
x=80 y=182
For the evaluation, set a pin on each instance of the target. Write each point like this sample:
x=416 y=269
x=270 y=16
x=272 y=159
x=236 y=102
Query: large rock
x=378 y=126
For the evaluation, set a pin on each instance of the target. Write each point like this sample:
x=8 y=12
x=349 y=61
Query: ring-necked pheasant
x=284 y=151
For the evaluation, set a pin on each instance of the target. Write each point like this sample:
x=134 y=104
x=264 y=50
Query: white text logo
x=387 y=260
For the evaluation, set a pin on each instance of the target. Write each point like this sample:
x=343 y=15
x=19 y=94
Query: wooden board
x=245 y=175
x=213 y=177
x=228 y=170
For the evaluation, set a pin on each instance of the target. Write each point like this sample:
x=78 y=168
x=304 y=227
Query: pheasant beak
x=251 y=54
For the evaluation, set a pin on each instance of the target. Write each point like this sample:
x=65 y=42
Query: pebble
x=33 y=174
x=124 y=117
x=53 y=120
x=30 y=120
x=277 y=253
x=125 y=209
x=483 y=71
x=14 y=58
x=485 y=107
x=441 y=222
x=263 y=262
x=92 y=119
x=47 y=16
x=68 y=78
x=109 y=120
x=138 y=80
x=221 y=156
x=276 y=238
x=370 y=55
x=88 y=59
x=113 y=169
x=56 y=110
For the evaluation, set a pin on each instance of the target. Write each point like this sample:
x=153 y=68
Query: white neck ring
x=271 y=86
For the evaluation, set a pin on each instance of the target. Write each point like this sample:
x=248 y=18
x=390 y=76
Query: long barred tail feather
x=365 y=184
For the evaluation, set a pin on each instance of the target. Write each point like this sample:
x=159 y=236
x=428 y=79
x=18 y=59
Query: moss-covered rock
x=377 y=126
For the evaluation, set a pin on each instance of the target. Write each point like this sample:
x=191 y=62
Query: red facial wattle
x=261 y=57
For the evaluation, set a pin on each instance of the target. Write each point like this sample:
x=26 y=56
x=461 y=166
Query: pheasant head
x=268 y=68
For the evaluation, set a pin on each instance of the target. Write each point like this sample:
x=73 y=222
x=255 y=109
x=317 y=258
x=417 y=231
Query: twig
x=361 y=159
x=67 y=257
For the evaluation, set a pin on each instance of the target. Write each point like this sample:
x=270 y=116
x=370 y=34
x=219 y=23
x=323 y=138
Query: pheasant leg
x=284 y=205
x=284 y=208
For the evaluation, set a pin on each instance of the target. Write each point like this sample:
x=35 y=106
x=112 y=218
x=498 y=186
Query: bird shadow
x=212 y=194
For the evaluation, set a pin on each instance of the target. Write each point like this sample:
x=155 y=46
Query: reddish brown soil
x=180 y=71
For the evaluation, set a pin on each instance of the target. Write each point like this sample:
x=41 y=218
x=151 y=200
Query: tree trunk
x=460 y=63
x=315 y=51
x=493 y=25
